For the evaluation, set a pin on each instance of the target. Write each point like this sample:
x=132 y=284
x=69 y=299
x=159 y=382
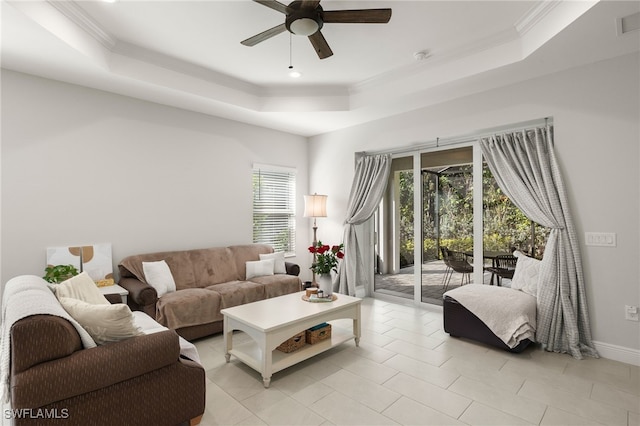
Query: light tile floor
x=408 y=371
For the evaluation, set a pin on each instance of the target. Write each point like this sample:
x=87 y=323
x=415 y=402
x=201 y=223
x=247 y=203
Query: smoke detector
x=421 y=55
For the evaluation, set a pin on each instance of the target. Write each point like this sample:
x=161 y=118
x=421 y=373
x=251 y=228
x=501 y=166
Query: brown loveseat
x=207 y=280
x=142 y=380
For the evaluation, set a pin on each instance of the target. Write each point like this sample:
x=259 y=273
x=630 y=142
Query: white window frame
x=274 y=207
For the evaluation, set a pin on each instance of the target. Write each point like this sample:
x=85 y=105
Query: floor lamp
x=315 y=206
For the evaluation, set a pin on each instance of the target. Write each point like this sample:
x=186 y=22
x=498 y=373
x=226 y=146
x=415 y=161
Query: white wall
x=83 y=166
x=596 y=114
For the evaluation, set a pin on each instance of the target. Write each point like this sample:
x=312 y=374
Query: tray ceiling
x=188 y=53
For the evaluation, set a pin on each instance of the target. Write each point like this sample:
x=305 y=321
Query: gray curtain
x=369 y=183
x=525 y=167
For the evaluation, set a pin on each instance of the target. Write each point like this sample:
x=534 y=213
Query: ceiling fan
x=306 y=18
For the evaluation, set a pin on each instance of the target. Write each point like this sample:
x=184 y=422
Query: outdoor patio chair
x=458 y=263
x=447 y=273
x=503 y=267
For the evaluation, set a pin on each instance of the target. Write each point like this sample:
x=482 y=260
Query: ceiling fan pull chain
x=293 y=73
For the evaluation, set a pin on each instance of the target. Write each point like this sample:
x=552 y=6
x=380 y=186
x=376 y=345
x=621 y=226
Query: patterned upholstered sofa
x=54 y=379
x=206 y=281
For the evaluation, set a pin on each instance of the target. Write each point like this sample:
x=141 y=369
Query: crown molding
x=78 y=16
x=534 y=16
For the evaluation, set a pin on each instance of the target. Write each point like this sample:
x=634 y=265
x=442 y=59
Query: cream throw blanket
x=24 y=296
x=509 y=314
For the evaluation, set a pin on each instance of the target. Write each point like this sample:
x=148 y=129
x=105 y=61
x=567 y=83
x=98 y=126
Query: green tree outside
x=505 y=226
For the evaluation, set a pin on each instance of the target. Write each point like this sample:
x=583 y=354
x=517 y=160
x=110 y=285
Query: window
x=274 y=207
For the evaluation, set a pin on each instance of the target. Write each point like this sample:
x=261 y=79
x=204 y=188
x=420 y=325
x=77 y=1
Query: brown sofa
x=138 y=381
x=207 y=280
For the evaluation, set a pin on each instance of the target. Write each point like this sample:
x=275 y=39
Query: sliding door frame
x=478 y=260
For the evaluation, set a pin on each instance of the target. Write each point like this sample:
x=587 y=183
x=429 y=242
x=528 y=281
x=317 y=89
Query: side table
x=115 y=289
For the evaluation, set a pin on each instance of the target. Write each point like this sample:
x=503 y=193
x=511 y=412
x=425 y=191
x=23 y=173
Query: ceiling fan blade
x=275 y=5
x=320 y=45
x=252 y=41
x=364 y=16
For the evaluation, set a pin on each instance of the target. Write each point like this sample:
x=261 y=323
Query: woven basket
x=318 y=333
x=293 y=344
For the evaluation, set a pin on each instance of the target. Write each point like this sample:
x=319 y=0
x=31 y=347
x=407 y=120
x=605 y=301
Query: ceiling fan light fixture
x=304 y=26
x=294 y=73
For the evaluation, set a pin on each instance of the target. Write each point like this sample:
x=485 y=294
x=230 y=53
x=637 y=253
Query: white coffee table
x=272 y=321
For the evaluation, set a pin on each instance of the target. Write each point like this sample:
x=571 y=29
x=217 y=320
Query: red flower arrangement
x=326 y=257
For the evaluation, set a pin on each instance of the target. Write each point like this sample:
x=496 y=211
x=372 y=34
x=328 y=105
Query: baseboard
x=618 y=353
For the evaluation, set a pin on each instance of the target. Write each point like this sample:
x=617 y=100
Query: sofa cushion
x=80 y=287
x=213 y=266
x=105 y=323
x=159 y=276
x=278 y=261
x=238 y=293
x=525 y=277
x=241 y=254
x=179 y=262
x=187 y=307
x=259 y=268
x=278 y=285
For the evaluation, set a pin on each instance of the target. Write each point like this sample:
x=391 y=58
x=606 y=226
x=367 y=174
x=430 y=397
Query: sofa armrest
x=292 y=268
x=140 y=293
x=88 y=370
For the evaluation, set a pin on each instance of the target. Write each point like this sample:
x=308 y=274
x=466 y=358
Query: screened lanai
x=445 y=191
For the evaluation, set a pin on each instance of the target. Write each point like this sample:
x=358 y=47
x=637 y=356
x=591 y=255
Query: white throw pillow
x=105 y=323
x=278 y=258
x=158 y=276
x=525 y=277
x=259 y=268
x=81 y=287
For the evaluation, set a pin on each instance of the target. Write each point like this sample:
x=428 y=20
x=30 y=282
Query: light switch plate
x=631 y=313
x=602 y=239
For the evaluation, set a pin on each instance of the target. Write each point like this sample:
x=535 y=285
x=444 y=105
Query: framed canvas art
x=95 y=259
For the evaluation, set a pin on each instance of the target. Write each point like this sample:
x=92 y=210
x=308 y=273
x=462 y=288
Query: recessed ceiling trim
x=533 y=17
x=52 y=19
x=157 y=59
x=78 y=16
x=436 y=59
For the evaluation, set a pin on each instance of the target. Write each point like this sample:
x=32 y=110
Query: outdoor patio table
x=491 y=255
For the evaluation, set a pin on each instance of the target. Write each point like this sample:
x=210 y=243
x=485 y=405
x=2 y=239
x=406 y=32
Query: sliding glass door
x=447 y=221
x=443 y=222
x=427 y=212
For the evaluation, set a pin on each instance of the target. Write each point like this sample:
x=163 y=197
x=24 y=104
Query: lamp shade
x=315 y=205
x=304 y=26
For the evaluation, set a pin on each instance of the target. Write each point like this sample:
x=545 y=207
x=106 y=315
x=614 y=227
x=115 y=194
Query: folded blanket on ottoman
x=509 y=314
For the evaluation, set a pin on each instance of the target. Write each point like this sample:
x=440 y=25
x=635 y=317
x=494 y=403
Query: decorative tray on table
x=313 y=298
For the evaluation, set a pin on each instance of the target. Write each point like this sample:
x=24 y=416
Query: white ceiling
x=188 y=53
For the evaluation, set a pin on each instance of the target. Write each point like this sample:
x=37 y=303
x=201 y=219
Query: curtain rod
x=469 y=137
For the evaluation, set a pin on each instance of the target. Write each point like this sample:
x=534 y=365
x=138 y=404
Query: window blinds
x=274 y=207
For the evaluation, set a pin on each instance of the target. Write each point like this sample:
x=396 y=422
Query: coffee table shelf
x=250 y=354
x=272 y=321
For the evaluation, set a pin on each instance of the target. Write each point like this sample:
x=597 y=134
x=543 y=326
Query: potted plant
x=326 y=260
x=57 y=273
